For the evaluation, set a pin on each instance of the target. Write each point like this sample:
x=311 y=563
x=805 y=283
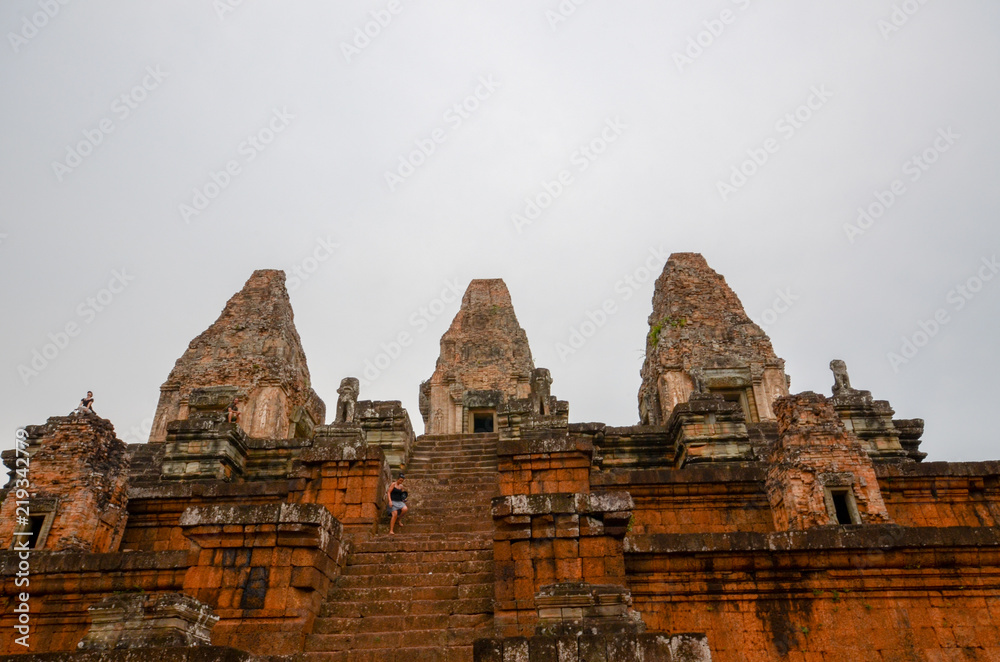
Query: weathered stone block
x=148 y=621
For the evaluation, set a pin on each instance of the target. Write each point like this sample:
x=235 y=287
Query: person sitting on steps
x=233 y=413
x=397 y=503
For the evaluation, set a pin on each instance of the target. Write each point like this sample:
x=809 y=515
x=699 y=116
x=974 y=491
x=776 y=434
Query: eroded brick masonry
x=734 y=522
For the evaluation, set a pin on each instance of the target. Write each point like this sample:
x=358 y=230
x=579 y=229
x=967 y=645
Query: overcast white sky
x=115 y=114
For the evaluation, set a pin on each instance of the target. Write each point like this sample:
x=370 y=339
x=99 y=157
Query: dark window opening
x=842 y=509
x=36 y=523
x=738 y=396
x=482 y=422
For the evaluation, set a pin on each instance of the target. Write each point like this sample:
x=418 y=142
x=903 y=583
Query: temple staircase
x=426 y=593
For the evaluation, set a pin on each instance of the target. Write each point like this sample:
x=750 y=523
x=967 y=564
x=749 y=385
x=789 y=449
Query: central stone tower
x=485 y=363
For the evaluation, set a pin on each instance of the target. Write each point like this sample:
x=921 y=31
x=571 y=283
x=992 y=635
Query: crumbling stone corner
x=819 y=473
x=79 y=486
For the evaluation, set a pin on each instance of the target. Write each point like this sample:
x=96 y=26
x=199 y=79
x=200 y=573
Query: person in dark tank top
x=397 y=503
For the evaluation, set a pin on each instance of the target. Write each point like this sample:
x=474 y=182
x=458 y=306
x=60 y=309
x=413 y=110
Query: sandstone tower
x=485 y=364
x=701 y=341
x=254 y=350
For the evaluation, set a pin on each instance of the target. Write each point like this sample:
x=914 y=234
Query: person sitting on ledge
x=86 y=404
x=397 y=503
x=233 y=413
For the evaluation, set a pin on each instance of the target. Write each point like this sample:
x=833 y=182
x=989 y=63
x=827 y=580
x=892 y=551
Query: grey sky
x=267 y=90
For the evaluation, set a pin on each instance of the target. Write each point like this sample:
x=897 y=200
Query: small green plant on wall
x=654 y=333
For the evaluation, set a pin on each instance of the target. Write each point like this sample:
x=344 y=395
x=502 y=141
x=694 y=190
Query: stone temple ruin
x=735 y=522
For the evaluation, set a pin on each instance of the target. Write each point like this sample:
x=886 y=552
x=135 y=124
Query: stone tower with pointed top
x=485 y=362
x=253 y=352
x=700 y=340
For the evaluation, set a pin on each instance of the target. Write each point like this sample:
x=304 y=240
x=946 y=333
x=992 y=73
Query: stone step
x=427 y=527
x=463 y=509
x=336 y=625
x=407 y=654
x=433 y=471
x=410 y=573
x=448 y=512
x=436 y=473
x=454 y=451
x=454 y=483
x=421 y=590
x=374 y=575
x=425 y=479
x=448 y=466
x=471 y=508
x=426 y=453
x=433 y=474
x=424 y=542
x=459 y=489
x=414 y=561
x=488 y=450
x=444 y=454
x=416 y=552
x=416 y=464
x=348 y=609
x=451 y=453
x=464 y=476
x=392 y=640
x=492 y=436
